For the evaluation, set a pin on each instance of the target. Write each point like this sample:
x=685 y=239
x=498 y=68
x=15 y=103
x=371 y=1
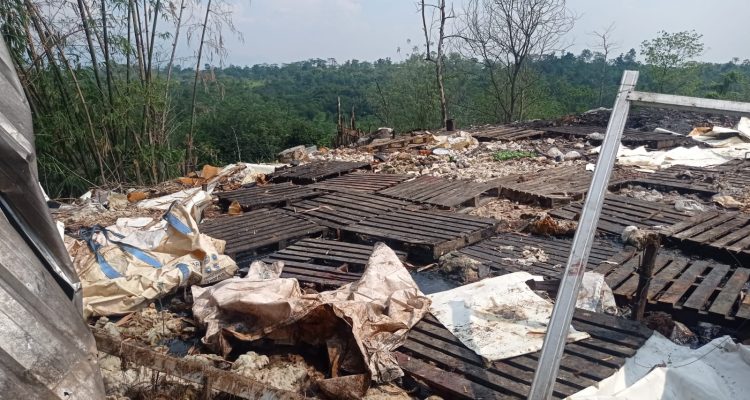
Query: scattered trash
x=572 y=155
x=462 y=268
x=296 y=153
x=596 y=136
x=727 y=202
x=497 y=317
x=548 y=226
x=595 y=295
x=688 y=206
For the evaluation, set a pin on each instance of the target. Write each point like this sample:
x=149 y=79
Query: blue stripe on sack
x=107 y=269
x=141 y=255
x=185 y=270
x=177 y=224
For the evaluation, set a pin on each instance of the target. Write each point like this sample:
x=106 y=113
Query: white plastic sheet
x=498 y=317
x=663 y=370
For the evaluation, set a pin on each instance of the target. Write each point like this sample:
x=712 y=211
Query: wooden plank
x=448 y=384
x=678 y=289
x=704 y=226
x=731 y=291
x=706 y=288
x=666 y=275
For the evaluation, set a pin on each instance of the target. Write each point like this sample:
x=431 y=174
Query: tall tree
x=506 y=35
x=669 y=52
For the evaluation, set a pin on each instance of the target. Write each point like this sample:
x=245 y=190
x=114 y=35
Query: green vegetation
x=113 y=107
x=505 y=155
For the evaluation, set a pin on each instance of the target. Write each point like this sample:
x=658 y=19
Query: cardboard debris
x=123 y=268
x=361 y=322
x=497 y=318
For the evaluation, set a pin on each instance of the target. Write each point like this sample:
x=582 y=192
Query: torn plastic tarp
x=122 y=268
x=498 y=317
x=362 y=322
x=689 y=156
x=664 y=370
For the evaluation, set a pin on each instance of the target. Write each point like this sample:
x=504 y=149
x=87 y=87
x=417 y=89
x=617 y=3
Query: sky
x=282 y=31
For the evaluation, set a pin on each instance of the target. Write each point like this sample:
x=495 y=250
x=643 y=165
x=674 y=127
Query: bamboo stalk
x=189 y=150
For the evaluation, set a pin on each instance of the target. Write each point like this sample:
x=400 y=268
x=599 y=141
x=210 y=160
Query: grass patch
x=505 y=155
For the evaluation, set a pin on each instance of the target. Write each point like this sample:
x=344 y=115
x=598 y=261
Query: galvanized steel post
x=557 y=331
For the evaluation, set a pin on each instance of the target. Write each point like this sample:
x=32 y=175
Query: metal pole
x=557 y=331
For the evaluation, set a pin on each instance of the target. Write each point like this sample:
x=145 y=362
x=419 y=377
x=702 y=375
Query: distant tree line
x=114 y=105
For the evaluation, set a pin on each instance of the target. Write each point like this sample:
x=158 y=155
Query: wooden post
x=645 y=272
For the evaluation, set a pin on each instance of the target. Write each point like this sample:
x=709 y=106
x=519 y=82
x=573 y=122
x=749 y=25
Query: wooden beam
x=193 y=371
x=724 y=107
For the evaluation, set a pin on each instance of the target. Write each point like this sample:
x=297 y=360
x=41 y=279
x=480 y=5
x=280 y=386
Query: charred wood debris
x=673 y=244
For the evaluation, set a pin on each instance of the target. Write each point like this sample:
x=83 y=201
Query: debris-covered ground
x=324 y=322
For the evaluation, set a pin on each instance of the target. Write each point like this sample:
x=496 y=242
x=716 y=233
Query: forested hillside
x=113 y=105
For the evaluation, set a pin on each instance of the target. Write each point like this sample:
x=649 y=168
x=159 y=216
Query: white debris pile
x=664 y=370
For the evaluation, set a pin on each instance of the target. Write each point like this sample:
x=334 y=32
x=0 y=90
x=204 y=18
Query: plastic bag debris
x=595 y=295
x=497 y=317
x=684 y=205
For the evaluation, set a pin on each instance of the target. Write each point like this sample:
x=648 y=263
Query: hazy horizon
x=285 y=31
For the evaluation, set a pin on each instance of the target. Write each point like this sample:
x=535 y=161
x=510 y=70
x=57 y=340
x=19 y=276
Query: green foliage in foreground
x=505 y=155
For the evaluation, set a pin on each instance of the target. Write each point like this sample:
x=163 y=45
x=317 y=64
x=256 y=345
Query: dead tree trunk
x=439 y=59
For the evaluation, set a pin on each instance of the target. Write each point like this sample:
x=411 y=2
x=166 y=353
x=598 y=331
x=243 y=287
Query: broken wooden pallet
x=259 y=232
x=552 y=187
x=630 y=137
x=398 y=143
x=620 y=211
x=424 y=235
x=434 y=356
x=326 y=264
x=262 y=196
x=504 y=133
x=723 y=234
x=337 y=210
x=698 y=289
x=441 y=192
x=316 y=171
x=359 y=181
x=512 y=252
